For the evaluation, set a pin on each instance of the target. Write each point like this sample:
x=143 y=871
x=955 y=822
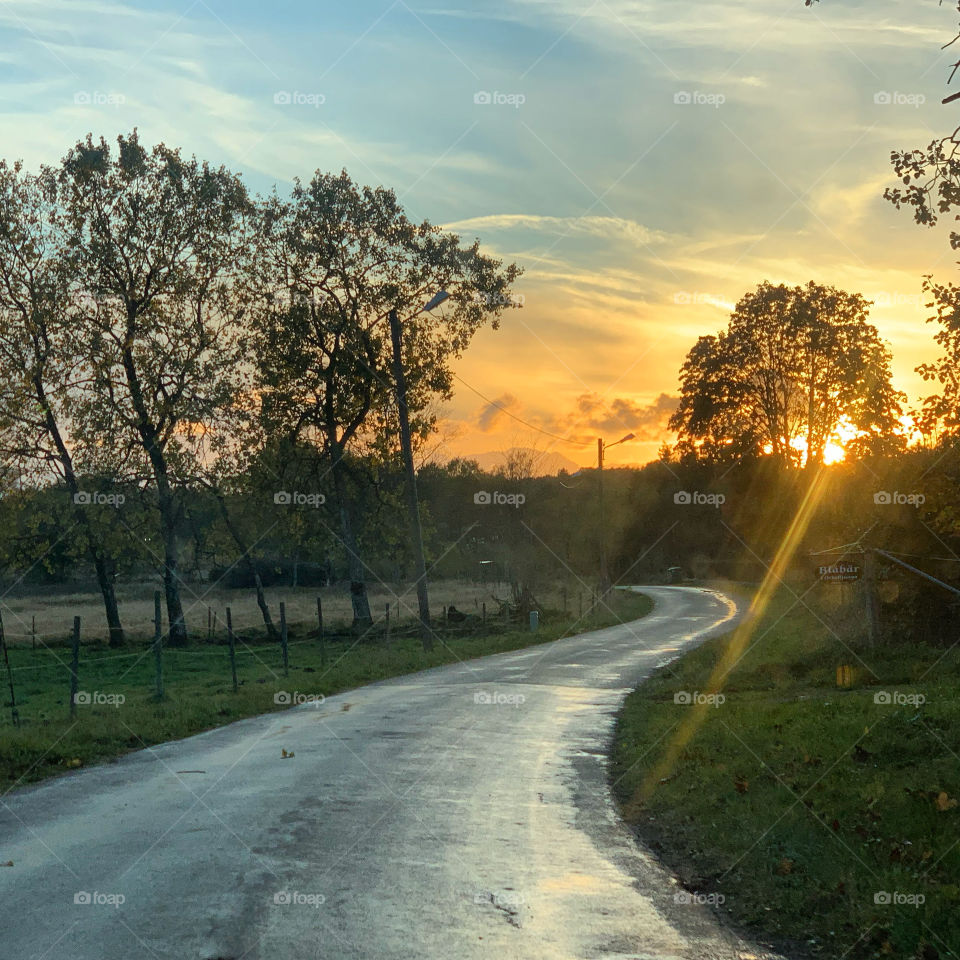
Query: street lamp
x=413 y=504
x=601 y=447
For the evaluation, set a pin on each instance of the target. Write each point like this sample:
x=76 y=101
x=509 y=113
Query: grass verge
x=823 y=820
x=122 y=714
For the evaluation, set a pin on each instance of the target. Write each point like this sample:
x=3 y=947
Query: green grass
x=198 y=686
x=798 y=801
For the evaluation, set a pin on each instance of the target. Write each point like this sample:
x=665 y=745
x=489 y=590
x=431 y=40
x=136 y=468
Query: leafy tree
x=793 y=364
x=157 y=243
x=335 y=258
x=37 y=374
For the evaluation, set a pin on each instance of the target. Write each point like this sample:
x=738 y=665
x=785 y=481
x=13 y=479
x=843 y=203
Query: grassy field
x=825 y=820
x=50 y=612
x=117 y=711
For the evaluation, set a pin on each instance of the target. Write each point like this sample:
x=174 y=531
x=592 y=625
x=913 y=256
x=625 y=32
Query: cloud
x=494 y=412
x=614 y=229
x=647 y=420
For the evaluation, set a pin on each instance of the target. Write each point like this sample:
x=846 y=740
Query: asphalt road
x=461 y=812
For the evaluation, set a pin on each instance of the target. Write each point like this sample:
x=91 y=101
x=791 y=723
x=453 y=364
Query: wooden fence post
x=233 y=654
x=75 y=666
x=323 y=652
x=14 y=716
x=283 y=637
x=870 y=585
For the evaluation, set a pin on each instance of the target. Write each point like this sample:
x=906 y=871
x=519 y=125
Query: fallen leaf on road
x=286 y=756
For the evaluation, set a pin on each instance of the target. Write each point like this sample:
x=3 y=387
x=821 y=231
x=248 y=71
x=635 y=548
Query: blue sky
x=648 y=162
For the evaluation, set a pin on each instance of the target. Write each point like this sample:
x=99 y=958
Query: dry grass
x=53 y=613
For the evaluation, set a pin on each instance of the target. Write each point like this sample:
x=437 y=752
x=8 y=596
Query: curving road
x=457 y=813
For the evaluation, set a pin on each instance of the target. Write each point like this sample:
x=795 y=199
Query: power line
x=513 y=416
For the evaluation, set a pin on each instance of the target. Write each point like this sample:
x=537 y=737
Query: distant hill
x=546 y=463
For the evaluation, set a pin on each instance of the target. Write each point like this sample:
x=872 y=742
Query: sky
x=647 y=162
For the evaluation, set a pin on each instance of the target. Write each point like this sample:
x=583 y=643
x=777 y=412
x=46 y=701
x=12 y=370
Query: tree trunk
x=251 y=567
x=177 y=635
x=358 y=585
x=101 y=563
x=105 y=578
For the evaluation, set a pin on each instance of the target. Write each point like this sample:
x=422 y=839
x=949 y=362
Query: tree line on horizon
x=171 y=343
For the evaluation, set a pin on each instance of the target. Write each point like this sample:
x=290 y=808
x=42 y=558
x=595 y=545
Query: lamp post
x=413 y=504
x=601 y=447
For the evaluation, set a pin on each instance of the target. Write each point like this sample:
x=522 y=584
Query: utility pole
x=413 y=504
x=604 y=574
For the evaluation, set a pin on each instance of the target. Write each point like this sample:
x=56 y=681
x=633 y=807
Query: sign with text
x=843 y=571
